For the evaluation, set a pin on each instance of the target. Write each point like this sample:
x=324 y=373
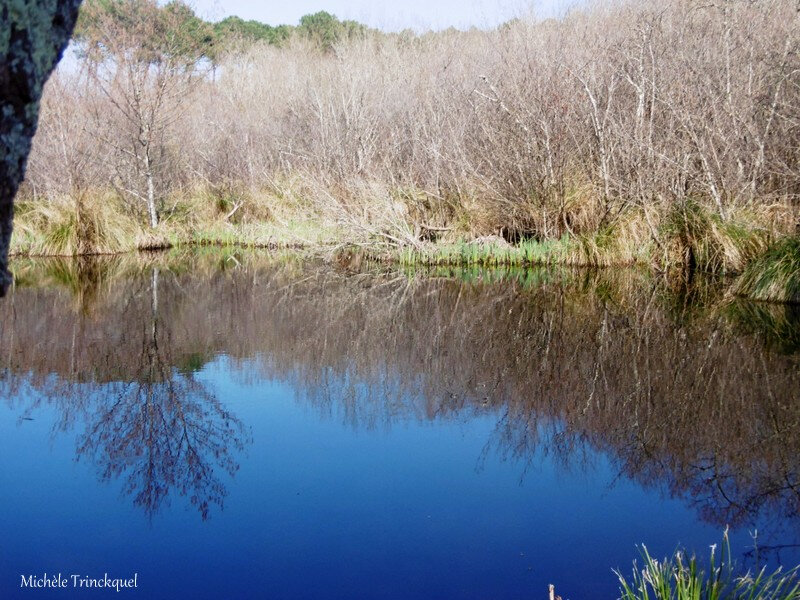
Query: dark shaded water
x=228 y=426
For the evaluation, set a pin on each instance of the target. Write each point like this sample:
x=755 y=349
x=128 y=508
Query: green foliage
x=325 y=30
x=236 y=29
x=678 y=579
x=193 y=32
x=143 y=30
x=174 y=29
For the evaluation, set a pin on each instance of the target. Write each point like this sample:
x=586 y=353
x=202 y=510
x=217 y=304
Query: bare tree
x=618 y=117
x=145 y=60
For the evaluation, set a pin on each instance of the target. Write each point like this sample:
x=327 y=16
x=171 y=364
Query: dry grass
x=627 y=242
x=89 y=224
x=774 y=276
x=695 y=237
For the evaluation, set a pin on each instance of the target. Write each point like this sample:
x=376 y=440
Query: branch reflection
x=691 y=394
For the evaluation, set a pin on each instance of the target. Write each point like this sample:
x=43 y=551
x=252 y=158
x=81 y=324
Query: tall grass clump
x=775 y=275
x=677 y=578
x=625 y=242
x=698 y=238
x=92 y=224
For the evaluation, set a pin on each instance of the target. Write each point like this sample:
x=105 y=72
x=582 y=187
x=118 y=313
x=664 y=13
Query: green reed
x=679 y=578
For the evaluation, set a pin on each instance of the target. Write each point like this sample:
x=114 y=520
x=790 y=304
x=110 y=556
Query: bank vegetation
x=657 y=133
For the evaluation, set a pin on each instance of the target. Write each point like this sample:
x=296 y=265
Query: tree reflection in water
x=163 y=436
x=688 y=393
x=159 y=430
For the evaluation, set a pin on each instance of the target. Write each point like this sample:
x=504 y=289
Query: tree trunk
x=33 y=36
x=151 y=194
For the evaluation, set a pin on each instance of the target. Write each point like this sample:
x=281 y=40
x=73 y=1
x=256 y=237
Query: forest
x=663 y=134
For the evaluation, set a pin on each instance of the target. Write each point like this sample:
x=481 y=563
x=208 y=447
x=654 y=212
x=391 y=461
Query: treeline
x=657 y=132
x=214 y=39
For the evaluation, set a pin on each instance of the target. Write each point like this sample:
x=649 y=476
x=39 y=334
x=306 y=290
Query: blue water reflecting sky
x=320 y=509
x=283 y=429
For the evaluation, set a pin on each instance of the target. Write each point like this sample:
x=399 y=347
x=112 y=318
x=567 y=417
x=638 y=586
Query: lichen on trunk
x=33 y=35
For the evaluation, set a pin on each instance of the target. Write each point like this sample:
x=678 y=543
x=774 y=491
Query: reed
x=679 y=578
x=490 y=251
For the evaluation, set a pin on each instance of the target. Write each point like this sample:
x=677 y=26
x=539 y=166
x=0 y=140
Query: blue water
x=319 y=510
x=299 y=499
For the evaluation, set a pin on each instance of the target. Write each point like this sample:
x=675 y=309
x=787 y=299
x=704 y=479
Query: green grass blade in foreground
x=674 y=579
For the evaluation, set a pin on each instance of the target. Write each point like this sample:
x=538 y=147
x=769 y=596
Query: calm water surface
x=229 y=426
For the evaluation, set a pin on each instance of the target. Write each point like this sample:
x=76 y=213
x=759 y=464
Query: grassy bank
x=100 y=223
x=775 y=275
x=678 y=240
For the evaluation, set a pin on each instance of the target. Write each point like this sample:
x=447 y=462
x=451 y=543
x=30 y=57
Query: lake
x=234 y=425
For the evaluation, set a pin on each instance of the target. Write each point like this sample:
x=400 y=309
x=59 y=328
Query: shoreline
x=771 y=276
x=454 y=256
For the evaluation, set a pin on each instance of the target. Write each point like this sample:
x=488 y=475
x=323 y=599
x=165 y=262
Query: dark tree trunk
x=33 y=36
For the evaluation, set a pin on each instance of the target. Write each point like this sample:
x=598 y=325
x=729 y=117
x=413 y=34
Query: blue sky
x=390 y=15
